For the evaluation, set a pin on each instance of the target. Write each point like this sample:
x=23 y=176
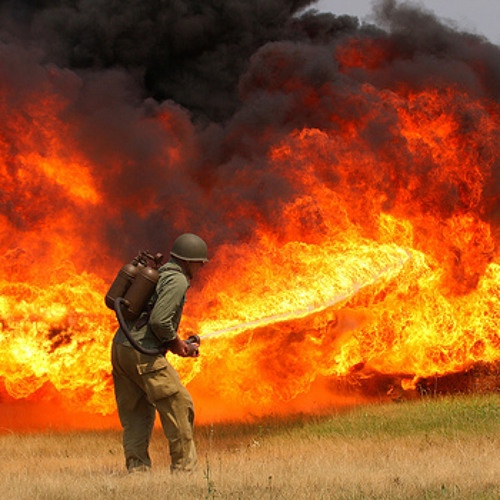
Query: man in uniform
x=145 y=384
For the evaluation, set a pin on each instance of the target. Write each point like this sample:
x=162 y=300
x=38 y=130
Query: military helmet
x=190 y=247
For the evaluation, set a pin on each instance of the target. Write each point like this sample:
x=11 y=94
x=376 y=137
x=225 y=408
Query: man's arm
x=166 y=314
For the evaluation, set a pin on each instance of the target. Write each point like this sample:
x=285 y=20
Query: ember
x=345 y=177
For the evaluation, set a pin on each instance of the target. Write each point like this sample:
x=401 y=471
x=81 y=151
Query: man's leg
x=177 y=418
x=137 y=414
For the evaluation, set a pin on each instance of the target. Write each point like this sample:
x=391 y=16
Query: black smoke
x=188 y=51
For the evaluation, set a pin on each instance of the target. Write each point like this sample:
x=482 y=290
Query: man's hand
x=193 y=349
x=184 y=348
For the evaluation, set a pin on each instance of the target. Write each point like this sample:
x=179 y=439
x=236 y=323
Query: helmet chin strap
x=187 y=268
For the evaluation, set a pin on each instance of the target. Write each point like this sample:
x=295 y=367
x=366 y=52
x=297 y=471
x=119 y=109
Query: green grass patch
x=448 y=416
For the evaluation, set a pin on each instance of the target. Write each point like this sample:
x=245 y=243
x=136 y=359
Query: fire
x=358 y=249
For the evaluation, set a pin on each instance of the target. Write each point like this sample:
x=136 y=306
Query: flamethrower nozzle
x=193 y=339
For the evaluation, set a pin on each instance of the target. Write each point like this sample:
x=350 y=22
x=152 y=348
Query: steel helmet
x=190 y=247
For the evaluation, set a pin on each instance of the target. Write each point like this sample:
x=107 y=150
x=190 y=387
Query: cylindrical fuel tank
x=139 y=293
x=122 y=282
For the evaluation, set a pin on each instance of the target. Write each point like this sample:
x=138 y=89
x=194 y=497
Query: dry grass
x=429 y=449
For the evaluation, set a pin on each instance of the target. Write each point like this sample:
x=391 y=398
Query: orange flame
x=373 y=269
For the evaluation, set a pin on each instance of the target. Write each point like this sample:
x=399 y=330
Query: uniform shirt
x=167 y=304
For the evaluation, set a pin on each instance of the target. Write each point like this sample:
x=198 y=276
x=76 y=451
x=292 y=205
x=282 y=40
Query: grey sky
x=475 y=16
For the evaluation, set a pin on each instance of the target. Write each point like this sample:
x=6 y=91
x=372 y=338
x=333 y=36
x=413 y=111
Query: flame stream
x=389 y=270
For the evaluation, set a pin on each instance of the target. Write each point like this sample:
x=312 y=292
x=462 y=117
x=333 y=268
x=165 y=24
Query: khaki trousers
x=143 y=385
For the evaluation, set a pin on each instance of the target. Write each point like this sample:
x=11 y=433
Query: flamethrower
x=130 y=293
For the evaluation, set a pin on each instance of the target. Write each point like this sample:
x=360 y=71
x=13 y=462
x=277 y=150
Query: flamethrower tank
x=190 y=247
x=135 y=284
x=139 y=292
x=122 y=282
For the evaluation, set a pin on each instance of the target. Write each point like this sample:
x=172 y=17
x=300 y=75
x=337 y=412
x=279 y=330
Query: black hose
x=123 y=325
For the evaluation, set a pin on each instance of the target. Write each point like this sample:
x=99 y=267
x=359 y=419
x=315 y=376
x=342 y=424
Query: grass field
x=431 y=448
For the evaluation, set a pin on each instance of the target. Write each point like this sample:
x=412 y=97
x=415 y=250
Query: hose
x=123 y=325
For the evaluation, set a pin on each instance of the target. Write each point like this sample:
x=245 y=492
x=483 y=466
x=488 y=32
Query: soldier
x=145 y=384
